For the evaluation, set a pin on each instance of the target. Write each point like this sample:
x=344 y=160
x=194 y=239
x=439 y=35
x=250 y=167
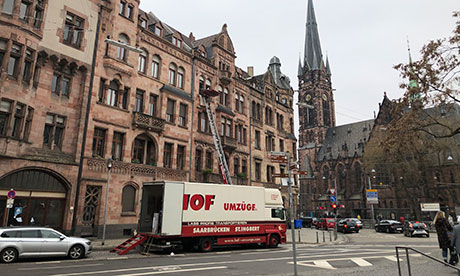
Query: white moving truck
x=203 y=215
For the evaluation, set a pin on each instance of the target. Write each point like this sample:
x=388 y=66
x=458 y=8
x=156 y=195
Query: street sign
x=279 y=160
x=280 y=175
x=11 y=194
x=293 y=167
x=372 y=196
x=278 y=153
x=9 y=203
x=333 y=198
x=430 y=207
x=332 y=190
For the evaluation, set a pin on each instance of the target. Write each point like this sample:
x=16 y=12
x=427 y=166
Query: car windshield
x=330 y=220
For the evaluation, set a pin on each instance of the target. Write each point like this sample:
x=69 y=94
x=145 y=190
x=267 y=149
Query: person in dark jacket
x=456 y=240
x=442 y=227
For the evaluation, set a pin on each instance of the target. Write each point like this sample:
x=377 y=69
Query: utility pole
x=372 y=205
x=336 y=209
x=291 y=213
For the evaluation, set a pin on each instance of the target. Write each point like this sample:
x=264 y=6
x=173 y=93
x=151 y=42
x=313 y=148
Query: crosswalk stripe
x=361 y=262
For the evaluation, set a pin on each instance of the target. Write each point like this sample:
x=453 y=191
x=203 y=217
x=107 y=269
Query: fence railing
x=421 y=253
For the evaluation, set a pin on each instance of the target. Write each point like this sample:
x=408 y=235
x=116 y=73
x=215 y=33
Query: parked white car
x=22 y=242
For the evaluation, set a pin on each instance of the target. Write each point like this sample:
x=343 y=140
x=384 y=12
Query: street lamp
x=370 y=188
x=109 y=168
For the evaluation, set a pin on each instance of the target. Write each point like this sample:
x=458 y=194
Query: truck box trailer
x=203 y=215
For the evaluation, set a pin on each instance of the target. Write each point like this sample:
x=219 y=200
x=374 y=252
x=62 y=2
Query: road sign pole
x=291 y=214
x=336 y=209
x=372 y=205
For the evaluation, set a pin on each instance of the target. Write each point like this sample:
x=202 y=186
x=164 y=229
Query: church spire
x=312 y=56
x=328 y=67
x=300 y=70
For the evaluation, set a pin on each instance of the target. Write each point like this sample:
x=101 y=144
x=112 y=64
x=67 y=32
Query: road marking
x=50 y=262
x=392 y=258
x=361 y=262
x=117 y=258
x=57 y=267
x=176 y=271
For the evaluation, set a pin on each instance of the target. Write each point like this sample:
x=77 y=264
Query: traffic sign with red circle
x=11 y=194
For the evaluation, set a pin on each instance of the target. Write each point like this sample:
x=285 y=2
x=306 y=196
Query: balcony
x=148 y=122
x=256 y=122
x=225 y=77
x=228 y=142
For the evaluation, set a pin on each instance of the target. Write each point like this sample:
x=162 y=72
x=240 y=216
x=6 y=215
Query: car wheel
x=206 y=244
x=357 y=231
x=274 y=241
x=9 y=255
x=76 y=252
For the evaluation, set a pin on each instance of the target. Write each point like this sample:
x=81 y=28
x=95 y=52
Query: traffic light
x=334 y=206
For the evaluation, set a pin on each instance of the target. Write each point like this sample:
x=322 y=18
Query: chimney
x=251 y=71
x=191 y=36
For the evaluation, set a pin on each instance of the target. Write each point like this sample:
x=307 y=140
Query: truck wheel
x=206 y=244
x=274 y=241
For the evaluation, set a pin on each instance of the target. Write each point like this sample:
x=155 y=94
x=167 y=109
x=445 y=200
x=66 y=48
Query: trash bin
x=297 y=223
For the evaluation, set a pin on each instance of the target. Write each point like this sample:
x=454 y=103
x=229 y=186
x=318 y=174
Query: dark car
x=415 y=228
x=347 y=226
x=389 y=226
x=307 y=222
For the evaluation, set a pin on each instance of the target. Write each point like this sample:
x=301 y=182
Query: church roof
x=345 y=140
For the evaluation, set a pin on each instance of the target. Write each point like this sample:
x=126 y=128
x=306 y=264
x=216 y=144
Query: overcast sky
x=363 y=39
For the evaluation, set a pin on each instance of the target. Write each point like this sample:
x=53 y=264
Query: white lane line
x=392 y=258
x=57 y=267
x=318 y=264
x=117 y=258
x=266 y=252
x=176 y=271
x=361 y=262
x=50 y=262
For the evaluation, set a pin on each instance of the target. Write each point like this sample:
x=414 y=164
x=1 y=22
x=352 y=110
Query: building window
x=198 y=159
x=15 y=57
x=130 y=12
x=157 y=31
x=172 y=74
x=183 y=115
x=38 y=16
x=60 y=84
x=226 y=127
x=257 y=140
x=180 y=78
x=24 y=10
x=3 y=47
x=122 y=7
x=153 y=105
x=142 y=61
x=8 y=6
x=112 y=94
x=167 y=157
x=236 y=165
x=139 y=101
x=244 y=166
x=237 y=102
x=270 y=172
x=5 y=112
x=281 y=145
x=226 y=97
x=180 y=157
x=18 y=119
x=170 y=106
x=117 y=146
x=241 y=103
x=143 y=23
x=156 y=66
x=208 y=84
x=99 y=142
x=27 y=69
x=73 y=30
x=202 y=122
x=54 y=131
x=257 y=171
x=128 y=199
x=209 y=159
x=121 y=51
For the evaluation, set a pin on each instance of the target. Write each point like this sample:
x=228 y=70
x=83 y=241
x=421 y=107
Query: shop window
x=128 y=199
x=99 y=142
x=73 y=30
x=54 y=131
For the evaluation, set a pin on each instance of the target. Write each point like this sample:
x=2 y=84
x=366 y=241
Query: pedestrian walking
x=442 y=227
x=450 y=219
x=456 y=244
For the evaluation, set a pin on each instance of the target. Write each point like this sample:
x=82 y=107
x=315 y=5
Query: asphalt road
x=367 y=253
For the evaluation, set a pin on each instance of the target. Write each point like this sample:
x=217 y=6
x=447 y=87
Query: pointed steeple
x=328 y=67
x=312 y=56
x=300 y=70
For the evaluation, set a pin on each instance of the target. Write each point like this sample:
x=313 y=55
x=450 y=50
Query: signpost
x=283 y=175
x=332 y=190
x=333 y=198
x=430 y=207
x=11 y=194
x=372 y=196
x=9 y=203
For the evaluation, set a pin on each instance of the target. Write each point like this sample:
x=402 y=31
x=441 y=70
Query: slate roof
x=345 y=140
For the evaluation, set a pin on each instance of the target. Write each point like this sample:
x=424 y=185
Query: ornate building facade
x=144 y=112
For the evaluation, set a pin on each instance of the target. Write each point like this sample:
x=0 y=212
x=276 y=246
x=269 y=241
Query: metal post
x=408 y=261
x=397 y=259
x=7 y=214
x=337 y=209
x=324 y=237
x=317 y=237
x=330 y=236
x=105 y=208
x=372 y=205
x=291 y=213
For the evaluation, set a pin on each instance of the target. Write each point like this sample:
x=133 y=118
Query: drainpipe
x=85 y=129
x=191 y=121
x=250 y=137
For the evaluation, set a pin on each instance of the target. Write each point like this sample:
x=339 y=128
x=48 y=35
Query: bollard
x=300 y=240
x=317 y=237
x=324 y=237
x=330 y=236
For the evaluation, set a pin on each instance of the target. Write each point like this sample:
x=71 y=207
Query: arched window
x=221 y=94
x=172 y=73
x=144 y=150
x=121 y=51
x=226 y=96
x=128 y=199
x=201 y=85
x=208 y=84
x=180 y=78
x=237 y=102
x=142 y=61
x=156 y=66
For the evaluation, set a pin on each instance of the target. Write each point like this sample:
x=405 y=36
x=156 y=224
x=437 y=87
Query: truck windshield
x=278 y=213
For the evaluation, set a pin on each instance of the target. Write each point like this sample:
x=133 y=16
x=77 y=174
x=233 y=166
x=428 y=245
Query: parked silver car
x=22 y=242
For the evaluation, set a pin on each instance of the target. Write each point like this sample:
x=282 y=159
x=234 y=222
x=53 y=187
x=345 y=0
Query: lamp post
x=372 y=205
x=109 y=167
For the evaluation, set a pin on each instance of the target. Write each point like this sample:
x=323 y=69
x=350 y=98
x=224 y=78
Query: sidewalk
x=316 y=237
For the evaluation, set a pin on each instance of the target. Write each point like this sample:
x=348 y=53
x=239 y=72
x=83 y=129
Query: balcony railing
x=148 y=122
x=228 y=142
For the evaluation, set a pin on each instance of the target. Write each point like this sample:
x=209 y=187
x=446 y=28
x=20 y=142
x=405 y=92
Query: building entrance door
x=90 y=211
